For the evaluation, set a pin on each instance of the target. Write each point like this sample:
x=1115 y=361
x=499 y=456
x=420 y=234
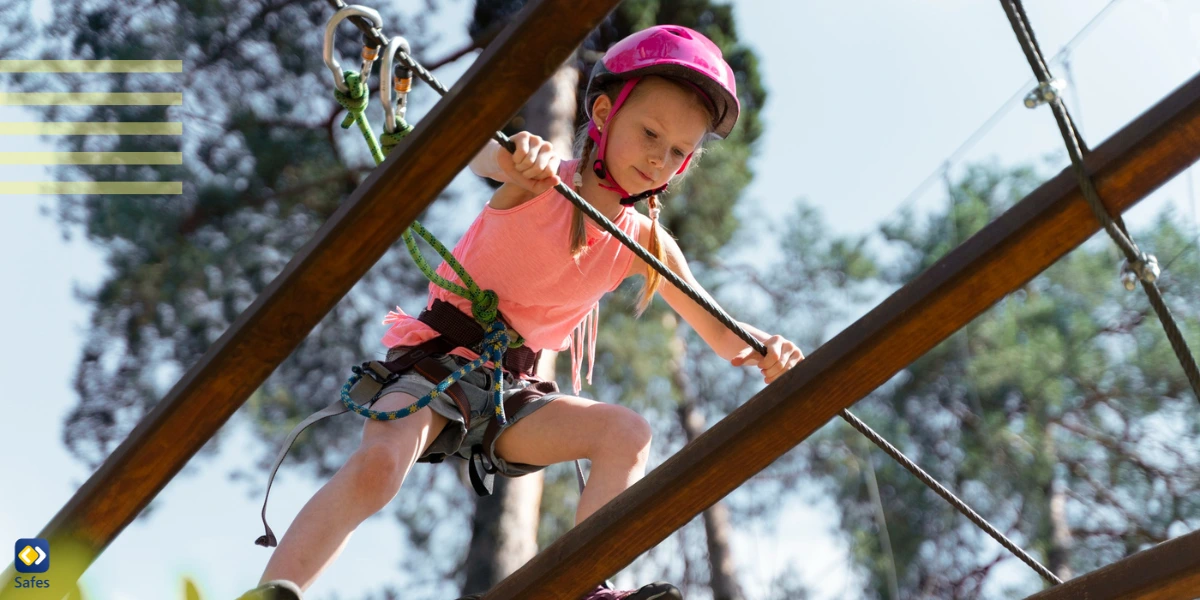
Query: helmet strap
x=601 y=138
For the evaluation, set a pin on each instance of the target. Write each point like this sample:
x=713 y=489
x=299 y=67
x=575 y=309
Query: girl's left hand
x=781 y=356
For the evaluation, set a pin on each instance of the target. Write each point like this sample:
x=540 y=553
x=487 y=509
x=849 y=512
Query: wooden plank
x=1007 y=253
x=1168 y=571
x=508 y=72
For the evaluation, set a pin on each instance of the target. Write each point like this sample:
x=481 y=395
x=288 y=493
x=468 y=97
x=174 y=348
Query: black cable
x=1114 y=227
x=949 y=496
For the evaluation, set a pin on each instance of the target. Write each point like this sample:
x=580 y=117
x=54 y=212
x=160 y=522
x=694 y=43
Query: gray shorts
x=459 y=435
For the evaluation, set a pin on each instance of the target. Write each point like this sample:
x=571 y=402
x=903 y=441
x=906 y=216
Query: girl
x=651 y=100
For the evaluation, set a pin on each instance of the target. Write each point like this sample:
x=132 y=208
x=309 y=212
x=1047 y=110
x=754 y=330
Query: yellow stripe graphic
x=90 y=187
x=91 y=158
x=91 y=128
x=91 y=98
x=91 y=66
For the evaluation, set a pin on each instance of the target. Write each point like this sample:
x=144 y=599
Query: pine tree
x=265 y=165
x=1060 y=414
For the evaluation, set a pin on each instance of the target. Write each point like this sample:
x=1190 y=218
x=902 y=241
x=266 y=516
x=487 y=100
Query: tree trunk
x=717 y=527
x=1061 y=540
x=504 y=528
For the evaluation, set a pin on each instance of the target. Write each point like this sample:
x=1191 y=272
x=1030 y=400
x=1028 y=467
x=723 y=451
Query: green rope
x=390 y=140
x=485 y=304
x=355 y=102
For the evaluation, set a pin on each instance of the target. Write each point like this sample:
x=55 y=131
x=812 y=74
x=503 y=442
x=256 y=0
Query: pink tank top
x=523 y=254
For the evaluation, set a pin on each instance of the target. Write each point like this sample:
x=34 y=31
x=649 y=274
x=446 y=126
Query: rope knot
x=355 y=100
x=485 y=307
x=390 y=140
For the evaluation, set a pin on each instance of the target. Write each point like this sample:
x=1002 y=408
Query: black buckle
x=368 y=369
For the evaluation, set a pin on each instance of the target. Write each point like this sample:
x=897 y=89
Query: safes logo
x=33 y=555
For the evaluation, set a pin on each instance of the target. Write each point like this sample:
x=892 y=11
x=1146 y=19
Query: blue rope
x=495 y=343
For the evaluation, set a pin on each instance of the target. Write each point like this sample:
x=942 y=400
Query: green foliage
x=264 y=167
x=1065 y=391
x=261 y=173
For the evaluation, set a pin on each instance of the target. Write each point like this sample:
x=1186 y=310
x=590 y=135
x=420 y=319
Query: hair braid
x=578 y=228
x=653 y=278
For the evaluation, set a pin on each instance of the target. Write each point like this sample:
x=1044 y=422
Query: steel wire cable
x=1115 y=228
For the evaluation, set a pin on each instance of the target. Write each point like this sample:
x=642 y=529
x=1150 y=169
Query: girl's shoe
x=279 y=589
x=659 y=590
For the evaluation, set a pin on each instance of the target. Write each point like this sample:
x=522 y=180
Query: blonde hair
x=584 y=147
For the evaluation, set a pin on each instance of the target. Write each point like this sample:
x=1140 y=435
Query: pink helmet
x=670 y=51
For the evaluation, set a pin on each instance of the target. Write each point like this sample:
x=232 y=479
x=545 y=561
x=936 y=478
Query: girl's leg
x=615 y=438
x=364 y=485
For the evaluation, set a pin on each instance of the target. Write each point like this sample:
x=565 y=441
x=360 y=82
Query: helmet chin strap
x=601 y=138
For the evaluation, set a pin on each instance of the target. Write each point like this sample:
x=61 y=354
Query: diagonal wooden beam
x=523 y=56
x=1168 y=571
x=1000 y=258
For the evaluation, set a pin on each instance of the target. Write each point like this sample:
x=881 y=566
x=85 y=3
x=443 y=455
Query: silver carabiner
x=331 y=31
x=389 y=83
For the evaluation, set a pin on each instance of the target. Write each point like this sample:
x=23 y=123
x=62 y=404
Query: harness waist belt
x=463 y=331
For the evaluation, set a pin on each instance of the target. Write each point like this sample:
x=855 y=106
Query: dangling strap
x=365 y=394
x=482 y=471
x=335 y=408
x=579 y=475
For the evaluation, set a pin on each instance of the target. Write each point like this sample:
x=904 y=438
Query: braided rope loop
x=495 y=343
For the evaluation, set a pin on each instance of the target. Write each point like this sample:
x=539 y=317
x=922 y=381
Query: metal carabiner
x=390 y=83
x=331 y=31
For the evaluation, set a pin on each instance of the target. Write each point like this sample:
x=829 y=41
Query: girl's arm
x=525 y=173
x=782 y=354
x=485 y=164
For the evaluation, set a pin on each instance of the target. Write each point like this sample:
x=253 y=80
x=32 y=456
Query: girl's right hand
x=533 y=166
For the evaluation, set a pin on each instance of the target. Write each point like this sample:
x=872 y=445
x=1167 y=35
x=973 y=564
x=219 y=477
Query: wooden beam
x=524 y=55
x=1000 y=258
x=1170 y=570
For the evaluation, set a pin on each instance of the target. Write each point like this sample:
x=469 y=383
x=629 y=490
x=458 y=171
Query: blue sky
x=867 y=99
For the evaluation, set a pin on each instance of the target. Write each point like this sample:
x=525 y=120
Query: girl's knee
x=378 y=471
x=627 y=433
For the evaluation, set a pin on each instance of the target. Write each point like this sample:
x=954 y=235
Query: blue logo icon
x=33 y=555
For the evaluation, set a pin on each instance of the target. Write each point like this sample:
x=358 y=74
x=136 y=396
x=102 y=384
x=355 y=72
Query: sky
x=868 y=99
